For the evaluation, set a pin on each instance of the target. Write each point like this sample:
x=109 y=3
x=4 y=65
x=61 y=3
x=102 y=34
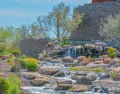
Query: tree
x=111 y=29
x=60 y=21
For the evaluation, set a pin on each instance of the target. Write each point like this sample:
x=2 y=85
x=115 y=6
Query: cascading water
x=74 y=51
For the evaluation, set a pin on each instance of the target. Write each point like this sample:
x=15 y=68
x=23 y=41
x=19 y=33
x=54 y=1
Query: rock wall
x=94 y=14
x=32 y=47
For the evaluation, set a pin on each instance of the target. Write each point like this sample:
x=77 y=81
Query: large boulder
x=67 y=59
x=116 y=70
x=115 y=62
x=81 y=58
x=48 y=71
x=41 y=81
x=83 y=80
x=29 y=76
x=59 y=74
x=63 y=85
x=79 y=88
x=94 y=14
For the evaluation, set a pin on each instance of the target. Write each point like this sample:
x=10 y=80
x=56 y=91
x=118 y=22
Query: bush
x=2 y=49
x=112 y=52
x=4 y=86
x=14 y=83
x=65 y=42
x=16 y=53
x=23 y=56
x=31 y=66
x=30 y=63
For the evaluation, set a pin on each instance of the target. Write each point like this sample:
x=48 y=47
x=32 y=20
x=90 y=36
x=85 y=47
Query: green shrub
x=23 y=56
x=97 y=69
x=14 y=83
x=113 y=75
x=30 y=63
x=10 y=60
x=4 y=86
x=112 y=52
x=2 y=49
x=16 y=53
x=65 y=42
x=31 y=66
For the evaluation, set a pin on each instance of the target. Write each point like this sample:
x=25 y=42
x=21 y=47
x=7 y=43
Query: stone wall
x=94 y=14
x=32 y=47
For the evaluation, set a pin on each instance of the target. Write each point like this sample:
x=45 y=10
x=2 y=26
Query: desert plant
x=4 y=86
x=112 y=52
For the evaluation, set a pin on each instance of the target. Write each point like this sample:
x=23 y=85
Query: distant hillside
x=94 y=13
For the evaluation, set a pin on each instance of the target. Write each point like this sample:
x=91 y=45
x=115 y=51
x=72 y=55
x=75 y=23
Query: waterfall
x=74 y=51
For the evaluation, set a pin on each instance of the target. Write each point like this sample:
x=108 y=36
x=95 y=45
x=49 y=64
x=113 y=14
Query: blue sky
x=17 y=12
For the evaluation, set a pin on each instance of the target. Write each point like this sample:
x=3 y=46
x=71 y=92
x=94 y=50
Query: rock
x=67 y=59
x=59 y=74
x=4 y=57
x=83 y=81
x=48 y=59
x=53 y=53
x=92 y=76
x=104 y=56
x=49 y=46
x=63 y=85
x=48 y=71
x=100 y=89
x=107 y=60
x=102 y=44
x=64 y=82
x=82 y=63
x=103 y=76
x=79 y=88
x=115 y=62
x=116 y=70
x=98 y=62
x=81 y=58
x=41 y=81
x=29 y=76
x=94 y=13
x=89 y=47
x=81 y=74
x=98 y=48
x=2 y=74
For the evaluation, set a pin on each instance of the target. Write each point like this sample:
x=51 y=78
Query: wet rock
x=41 y=81
x=63 y=85
x=48 y=71
x=83 y=81
x=29 y=76
x=81 y=58
x=115 y=62
x=64 y=82
x=103 y=76
x=79 y=88
x=92 y=76
x=99 y=89
x=59 y=74
x=67 y=59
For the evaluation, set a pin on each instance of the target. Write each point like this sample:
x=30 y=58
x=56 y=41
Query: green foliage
x=71 y=89
x=24 y=56
x=2 y=49
x=74 y=69
x=30 y=63
x=97 y=69
x=113 y=75
x=65 y=42
x=112 y=52
x=10 y=60
x=14 y=83
x=4 y=86
x=111 y=29
x=16 y=53
x=31 y=66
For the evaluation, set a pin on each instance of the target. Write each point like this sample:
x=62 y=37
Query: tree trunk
x=58 y=29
